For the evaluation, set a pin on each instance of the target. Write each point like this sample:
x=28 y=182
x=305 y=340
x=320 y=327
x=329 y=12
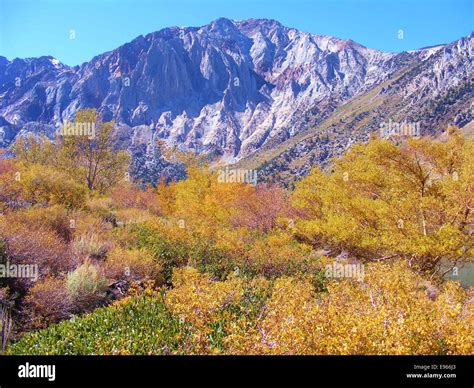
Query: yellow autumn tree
x=85 y=150
x=383 y=200
x=35 y=150
x=93 y=157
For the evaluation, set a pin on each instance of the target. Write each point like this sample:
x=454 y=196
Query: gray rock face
x=444 y=79
x=227 y=88
x=434 y=90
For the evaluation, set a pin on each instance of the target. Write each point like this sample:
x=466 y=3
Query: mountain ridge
x=226 y=89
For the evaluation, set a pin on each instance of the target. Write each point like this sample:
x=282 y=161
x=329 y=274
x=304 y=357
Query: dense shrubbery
x=383 y=200
x=43 y=185
x=239 y=269
x=140 y=325
x=86 y=286
x=47 y=302
x=387 y=313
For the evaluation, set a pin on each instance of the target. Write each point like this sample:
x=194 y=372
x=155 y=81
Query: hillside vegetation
x=204 y=267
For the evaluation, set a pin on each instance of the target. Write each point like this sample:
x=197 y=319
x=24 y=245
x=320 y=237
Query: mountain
x=237 y=89
x=435 y=91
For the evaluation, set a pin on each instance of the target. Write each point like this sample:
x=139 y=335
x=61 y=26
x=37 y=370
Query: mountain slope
x=228 y=86
x=436 y=92
x=231 y=88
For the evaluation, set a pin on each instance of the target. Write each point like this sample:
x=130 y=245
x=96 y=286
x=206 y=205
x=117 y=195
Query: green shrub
x=165 y=251
x=140 y=325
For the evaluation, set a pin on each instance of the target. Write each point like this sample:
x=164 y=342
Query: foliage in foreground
x=241 y=267
x=138 y=325
x=388 y=312
x=381 y=200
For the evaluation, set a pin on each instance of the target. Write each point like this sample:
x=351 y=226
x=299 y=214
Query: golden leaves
x=388 y=313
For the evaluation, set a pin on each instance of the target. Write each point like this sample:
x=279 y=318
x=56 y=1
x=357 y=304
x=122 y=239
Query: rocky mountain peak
x=227 y=88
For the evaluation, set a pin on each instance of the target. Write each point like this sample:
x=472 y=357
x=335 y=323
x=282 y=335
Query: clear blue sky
x=31 y=28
